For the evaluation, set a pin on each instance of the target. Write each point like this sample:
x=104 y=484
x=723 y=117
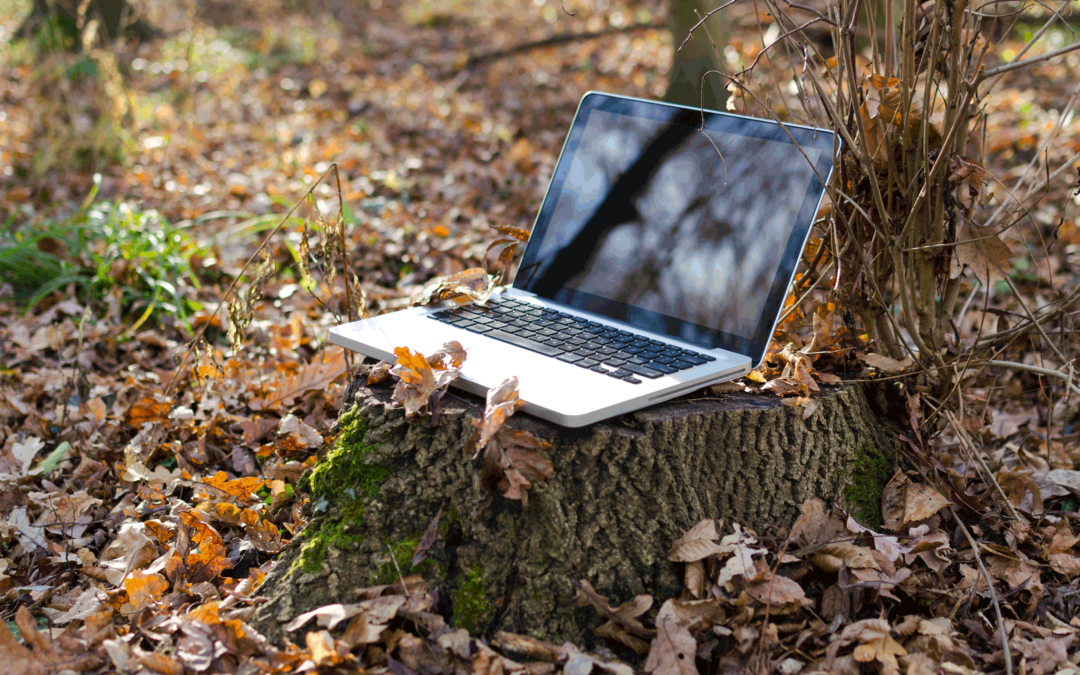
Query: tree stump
x=622 y=492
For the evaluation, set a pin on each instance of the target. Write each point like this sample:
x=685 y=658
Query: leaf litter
x=131 y=543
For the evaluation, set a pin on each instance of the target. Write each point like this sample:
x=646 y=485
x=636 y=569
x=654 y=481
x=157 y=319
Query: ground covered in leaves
x=150 y=478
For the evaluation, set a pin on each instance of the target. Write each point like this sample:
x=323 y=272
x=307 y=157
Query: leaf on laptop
x=474 y=283
x=419 y=386
x=515 y=232
x=506 y=257
x=452 y=353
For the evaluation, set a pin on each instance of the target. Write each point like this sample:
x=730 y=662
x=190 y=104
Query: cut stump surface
x=622 y=492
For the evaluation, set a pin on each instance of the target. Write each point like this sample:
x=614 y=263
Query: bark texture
x=622 y=492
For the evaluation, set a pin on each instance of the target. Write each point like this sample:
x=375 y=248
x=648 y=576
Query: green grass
x=102 y=247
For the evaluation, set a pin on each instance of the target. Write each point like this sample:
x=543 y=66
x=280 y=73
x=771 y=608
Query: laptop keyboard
x=573 y=339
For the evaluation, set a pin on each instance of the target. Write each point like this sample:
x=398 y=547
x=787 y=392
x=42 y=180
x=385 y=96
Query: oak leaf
x=419 y=386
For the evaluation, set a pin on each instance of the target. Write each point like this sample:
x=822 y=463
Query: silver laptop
x=658 y=263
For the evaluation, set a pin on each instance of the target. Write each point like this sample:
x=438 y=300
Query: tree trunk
x=622 y=492
x=688 y=83
x=115 y=17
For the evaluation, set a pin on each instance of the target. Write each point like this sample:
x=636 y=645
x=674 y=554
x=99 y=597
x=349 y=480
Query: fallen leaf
x=697 y=543
x=989 y=258
x=418 y=387
x=674 y=648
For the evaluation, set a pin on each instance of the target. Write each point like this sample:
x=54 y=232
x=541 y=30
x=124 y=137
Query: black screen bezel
x=704 y=336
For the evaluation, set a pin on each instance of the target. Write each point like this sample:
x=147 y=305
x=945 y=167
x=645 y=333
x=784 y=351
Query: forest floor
x=146 y=493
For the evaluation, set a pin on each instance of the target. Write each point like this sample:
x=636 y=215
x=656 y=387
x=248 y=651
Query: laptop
x=658 y=263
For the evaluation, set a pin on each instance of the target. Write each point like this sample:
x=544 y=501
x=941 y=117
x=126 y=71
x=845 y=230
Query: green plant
x=101 y=247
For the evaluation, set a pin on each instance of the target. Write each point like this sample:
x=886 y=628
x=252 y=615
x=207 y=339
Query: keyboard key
x=480 y=328
x=640 y=343
x=569 y=358
x=632 y=380
x=706 y=357
x=663 y=359
x=531 y=345
x=620 y=374
x=667 y=370
x=674 y=353
x=631 y=350
x=643 y=370
x=587 y=363
x=599 y=369
x=694 y=360
x=614 y=362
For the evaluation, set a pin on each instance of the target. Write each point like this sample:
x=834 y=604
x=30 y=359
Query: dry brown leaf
x=418 y=387
x=380 y=372
x=673 y=649
x=502 y=402
x=779 y=590
x=317 y=375
x=921 y=502
x=831 y=557
x=989 y=258
x=698 y=543
x=474 y=283
x=450 y=355
x=882 y=363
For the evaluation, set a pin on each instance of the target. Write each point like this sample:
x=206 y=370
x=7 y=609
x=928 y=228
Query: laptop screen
x=678 y=230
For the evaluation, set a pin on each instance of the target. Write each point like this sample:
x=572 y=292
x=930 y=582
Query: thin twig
x=993 y=593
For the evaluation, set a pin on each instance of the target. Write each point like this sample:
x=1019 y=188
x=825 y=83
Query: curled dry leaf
x=622 y=623
x=502 y=402
x=474 y=283
x=379 y=373
x=450 y=355
x=418 y=385
x=698 y=543
x=831 y=557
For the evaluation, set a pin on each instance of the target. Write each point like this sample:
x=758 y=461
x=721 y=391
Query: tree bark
x=690 y=81
x=622 y=492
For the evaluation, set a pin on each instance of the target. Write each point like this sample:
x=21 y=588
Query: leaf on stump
x=418 y=385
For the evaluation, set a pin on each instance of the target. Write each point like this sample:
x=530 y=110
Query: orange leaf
x=147 y=410
x=144 y=588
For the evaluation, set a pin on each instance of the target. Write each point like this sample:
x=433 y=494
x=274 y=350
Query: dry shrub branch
x=917 y=227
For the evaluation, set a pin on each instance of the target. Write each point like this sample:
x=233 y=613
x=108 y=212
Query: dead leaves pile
x=835 y=597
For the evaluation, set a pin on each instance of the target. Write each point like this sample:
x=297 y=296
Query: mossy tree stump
x=622 y=492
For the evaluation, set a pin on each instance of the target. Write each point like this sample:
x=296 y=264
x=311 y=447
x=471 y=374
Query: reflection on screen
x=664 y=217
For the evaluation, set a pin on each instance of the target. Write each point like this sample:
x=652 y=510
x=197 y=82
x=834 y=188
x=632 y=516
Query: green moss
x=387 y=573
x=346 y=466
x=344 y=478
x=469 y=600
x=870 y=474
